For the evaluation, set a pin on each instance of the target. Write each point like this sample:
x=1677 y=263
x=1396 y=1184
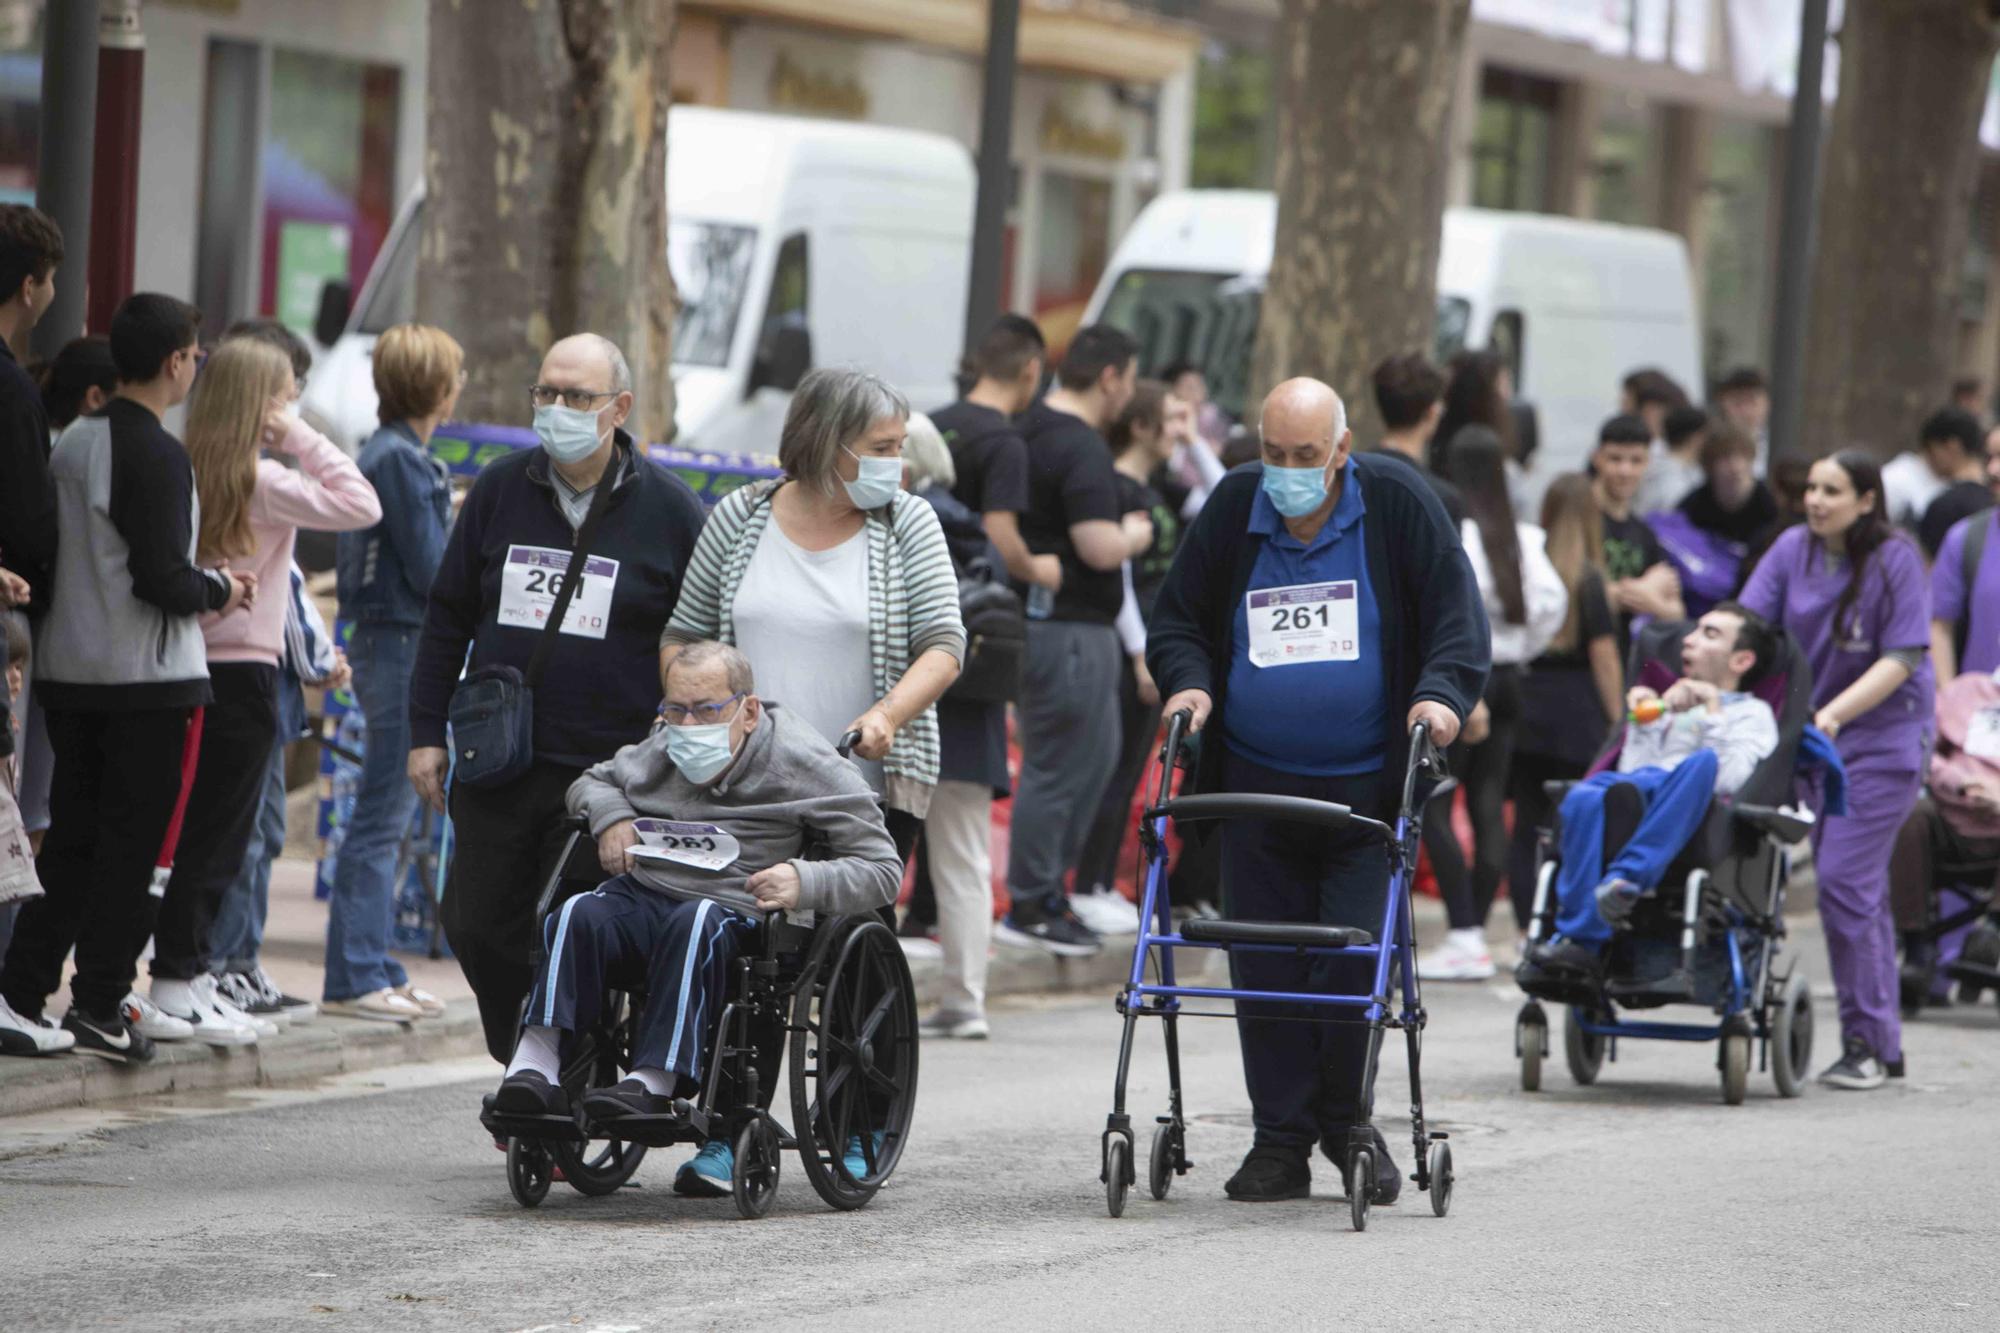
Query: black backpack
x=996 y=638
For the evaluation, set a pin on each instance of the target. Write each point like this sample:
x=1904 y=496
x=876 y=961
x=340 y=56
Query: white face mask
x=570 y=434
x=878 y=482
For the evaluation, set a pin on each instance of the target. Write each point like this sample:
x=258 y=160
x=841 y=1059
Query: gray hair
x=830 y=410
x=707 y=653
x=926 y=457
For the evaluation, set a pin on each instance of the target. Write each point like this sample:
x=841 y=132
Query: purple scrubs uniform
x=1951 y=600
x=1883 y=751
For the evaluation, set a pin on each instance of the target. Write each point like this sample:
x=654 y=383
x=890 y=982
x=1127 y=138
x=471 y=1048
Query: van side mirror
x=783 y=358
x=336 y=301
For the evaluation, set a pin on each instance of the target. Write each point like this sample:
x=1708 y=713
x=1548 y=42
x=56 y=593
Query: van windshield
x=710 y=262
x=1210 y=319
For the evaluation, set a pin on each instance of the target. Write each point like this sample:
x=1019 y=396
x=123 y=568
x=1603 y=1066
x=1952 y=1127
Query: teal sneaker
x=706 y=1174
x=857 y=1165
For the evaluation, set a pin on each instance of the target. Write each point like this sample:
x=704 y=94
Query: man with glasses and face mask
x=494 y=591
x=702 y=826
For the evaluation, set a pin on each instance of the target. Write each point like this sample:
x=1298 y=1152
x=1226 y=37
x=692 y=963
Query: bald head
x=1303 y=424
x=590 y=364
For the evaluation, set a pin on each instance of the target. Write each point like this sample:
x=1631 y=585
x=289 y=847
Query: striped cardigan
x=912 y=608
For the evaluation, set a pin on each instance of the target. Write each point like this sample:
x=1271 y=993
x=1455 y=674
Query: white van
x=793 y=243
x=1573 y=306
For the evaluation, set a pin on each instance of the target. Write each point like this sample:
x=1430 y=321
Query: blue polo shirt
x=1317 y=717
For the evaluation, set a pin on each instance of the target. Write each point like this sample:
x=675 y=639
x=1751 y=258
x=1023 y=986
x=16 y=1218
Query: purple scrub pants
x=1851 y=853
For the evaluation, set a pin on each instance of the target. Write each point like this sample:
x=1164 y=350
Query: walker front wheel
x=1117 y=1174
x=1441 y=1178
x=1160 y=1169
x=1360 y=1186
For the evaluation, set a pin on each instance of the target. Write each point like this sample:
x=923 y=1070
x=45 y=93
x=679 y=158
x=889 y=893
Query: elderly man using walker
x=1319 y=608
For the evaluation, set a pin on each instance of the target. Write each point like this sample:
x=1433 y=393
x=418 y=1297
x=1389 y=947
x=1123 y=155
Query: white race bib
x=1308 y=622
x=532 y=579
x=703 y=846
x=1982 y=737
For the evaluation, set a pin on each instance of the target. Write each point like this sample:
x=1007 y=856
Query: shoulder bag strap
x=599 y=500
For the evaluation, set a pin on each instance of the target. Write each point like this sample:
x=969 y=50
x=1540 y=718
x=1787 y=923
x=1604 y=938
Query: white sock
x=658 y=1081
x=541 y=1051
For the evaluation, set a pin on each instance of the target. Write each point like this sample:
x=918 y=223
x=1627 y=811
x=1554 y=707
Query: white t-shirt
x=802 y=620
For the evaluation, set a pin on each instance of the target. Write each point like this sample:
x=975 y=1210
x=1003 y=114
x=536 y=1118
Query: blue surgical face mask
x=1295 y=491
x=699 y=752
x=878 y=483
x=569 y=434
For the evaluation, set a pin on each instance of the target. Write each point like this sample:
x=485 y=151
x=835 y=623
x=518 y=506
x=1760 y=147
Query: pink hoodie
x=326 y=494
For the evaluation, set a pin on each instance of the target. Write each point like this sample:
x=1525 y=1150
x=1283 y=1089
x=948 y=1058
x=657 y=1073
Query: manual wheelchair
x=1709 y=933
x=834 y=996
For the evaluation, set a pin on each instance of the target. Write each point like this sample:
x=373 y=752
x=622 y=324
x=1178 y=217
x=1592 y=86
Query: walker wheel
x=528 y=1171
x=1529 y=1037
x=1440 y=1178
x=1735 y=1066
x=1117 y=1173
x=753 y=1177
x=1360 y=1185
x=1160 y=1170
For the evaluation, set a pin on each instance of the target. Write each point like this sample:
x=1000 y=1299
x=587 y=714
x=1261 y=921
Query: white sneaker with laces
x=1462 y=957
x=147 y=1019
x=261 y=1026
x=21 y=1035
x=195 y=1003
x=1105 y=911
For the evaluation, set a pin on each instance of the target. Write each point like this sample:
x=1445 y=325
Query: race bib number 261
x=1307 y=622
x=532 y=579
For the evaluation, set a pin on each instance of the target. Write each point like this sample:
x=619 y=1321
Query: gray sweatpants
x=1067 y=720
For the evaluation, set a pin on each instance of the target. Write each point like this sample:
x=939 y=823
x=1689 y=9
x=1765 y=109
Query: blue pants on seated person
x=1676 y=800
x=623 y=935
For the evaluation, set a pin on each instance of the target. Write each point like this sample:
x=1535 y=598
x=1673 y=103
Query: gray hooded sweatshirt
x=784 y=780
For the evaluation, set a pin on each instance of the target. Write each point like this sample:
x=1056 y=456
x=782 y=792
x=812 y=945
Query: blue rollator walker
x=1709 y=933
x=1162 y=1000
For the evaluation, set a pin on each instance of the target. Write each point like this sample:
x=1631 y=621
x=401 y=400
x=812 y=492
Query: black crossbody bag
x=492 y=711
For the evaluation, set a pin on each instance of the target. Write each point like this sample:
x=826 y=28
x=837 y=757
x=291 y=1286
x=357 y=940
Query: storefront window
x=1624 y=161
x=1072 y=247
x=1511 y=143
x=329 y=168
x=20 y=100
x=1736 y=205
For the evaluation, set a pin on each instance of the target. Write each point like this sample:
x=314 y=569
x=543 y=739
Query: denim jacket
x=385 y=572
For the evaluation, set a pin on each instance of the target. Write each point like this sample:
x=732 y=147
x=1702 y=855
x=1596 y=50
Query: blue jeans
x=362 y=905
x=1676 y=802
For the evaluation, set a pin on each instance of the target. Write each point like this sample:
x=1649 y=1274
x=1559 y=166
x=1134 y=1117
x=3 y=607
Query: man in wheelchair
x=1701 y=739
x=700 y=826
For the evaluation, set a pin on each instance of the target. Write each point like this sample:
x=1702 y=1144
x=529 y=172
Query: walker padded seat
x=1209 y=931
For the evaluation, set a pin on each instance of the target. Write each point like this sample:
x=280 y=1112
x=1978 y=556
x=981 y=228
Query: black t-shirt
x=1630 y=549
x=1070 y=481
x=1149 y=567
x=988 y=455
x=1959 y=500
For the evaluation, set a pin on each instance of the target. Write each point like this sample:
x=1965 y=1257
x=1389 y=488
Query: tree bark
x=1899 y=173
x=545 y=181
x=1364 y=101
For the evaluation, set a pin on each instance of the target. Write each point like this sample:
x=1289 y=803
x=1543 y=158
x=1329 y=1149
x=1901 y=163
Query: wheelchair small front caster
x=1360 y=1185
x=1440 y=1178
x=528 y=1171
x=753 y=1178
x=1117 y=1173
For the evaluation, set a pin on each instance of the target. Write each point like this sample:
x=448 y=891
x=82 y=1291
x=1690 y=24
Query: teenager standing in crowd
x=1675 y=469
x=384 y=576
x=251 y=509
x=1852 y=590
x=1954 y=443
x=1642 y=583
x=1409 y=393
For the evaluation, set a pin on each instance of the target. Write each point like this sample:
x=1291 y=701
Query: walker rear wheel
x=1117 y=1173
x=1440 y=1178
x=528 y=1171
x=1160 y=1169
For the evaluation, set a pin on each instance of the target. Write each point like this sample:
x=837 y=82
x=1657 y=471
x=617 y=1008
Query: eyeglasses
x=707 y=714
x=578 y=400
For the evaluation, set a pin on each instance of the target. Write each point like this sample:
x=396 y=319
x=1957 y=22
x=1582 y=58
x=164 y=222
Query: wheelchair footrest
x=536 y=1128
x=652 y=1131
x=1304 y=934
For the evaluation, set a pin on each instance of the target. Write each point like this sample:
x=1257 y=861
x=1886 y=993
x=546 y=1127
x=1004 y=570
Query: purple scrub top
x=1794 y=587
x=1949 y=593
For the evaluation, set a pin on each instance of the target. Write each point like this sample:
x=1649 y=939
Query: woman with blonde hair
x=250 y=508
x=1559 y=733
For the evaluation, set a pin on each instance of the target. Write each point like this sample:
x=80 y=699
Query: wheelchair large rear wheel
x=1583 y=1050
x=854 y=1062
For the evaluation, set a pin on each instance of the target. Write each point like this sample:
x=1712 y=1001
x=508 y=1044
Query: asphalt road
x=1642 y=1203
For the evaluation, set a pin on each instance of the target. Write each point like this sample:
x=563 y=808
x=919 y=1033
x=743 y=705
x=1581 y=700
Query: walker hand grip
x=1177 y=729
x=847 y=744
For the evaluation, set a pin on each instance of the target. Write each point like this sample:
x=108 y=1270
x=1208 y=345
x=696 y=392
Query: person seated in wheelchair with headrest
x=1699 y=740
x=719 y=800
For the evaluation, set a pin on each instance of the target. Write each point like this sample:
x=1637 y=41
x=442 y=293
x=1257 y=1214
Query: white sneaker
x=956 y=1026
x=1105 y=911
x=21 y=1035
x=257 y=1023
x=194 y=1003
x=146 y=1019
x=1462 y=957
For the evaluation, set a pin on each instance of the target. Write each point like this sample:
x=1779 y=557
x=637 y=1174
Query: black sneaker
x=1857 y=1069
x=1564 y=954
x=1063 y=936
x=530 y=1093
x=1270 y=1174
x=629 y=1097
x=1388 y=1180
x=112 y=1038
